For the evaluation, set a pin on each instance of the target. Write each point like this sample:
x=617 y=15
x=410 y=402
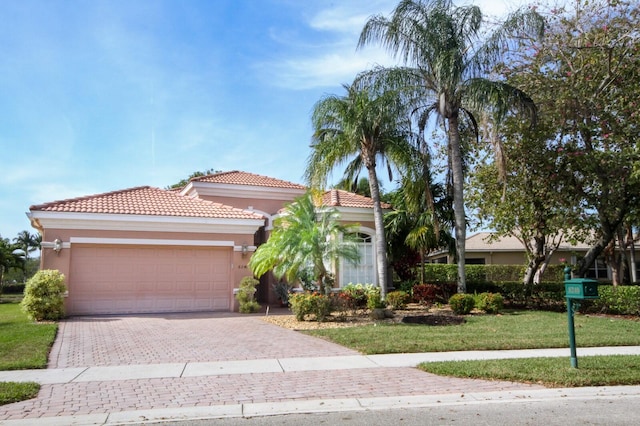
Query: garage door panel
x=148 y=279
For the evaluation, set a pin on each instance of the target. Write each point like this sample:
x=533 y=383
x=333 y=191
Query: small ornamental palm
x=305 y=237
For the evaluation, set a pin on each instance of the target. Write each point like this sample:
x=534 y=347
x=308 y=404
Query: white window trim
x=371 y=232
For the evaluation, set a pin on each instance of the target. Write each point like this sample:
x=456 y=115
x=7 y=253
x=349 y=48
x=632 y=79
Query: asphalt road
x=619 y=410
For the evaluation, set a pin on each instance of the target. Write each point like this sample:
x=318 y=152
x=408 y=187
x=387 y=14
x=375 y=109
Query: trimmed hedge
x=445 y=272
x=620 y=300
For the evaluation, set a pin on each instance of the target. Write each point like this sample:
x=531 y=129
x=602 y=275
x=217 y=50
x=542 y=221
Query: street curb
x=262 y=409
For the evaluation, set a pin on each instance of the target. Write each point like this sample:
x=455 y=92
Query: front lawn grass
x=551 y=372
x=511 y=330
x=23 y=343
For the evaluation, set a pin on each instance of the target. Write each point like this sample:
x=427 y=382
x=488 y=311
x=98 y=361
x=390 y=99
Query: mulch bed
x=434 y=319
x=412 y=314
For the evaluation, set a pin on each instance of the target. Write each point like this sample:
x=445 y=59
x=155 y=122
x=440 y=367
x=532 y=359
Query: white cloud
x=332 y=59
x=328 y=70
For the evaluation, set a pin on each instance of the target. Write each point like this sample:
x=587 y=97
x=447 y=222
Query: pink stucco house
x=150 y=250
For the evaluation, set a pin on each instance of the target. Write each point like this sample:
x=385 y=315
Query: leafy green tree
x=305 y=237
x=446 y=74
x=585 y=77
x=530 y=200
x=357 y=130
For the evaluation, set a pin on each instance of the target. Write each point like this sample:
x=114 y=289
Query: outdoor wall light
x=245 y=249
x=57 y=245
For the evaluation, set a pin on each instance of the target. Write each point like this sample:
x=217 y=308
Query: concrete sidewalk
x=134 y=394
x=283 y=365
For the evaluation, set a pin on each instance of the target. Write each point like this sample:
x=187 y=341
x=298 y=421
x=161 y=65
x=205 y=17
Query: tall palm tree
x=446 y=65
x=27 y=242
x=355 y=130
x=306 y=236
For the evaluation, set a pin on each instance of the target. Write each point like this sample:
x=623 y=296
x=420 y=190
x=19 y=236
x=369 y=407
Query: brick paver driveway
x=157 y=339
x=91 y=342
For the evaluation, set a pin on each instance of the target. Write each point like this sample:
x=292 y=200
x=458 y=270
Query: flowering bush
x=310 y=304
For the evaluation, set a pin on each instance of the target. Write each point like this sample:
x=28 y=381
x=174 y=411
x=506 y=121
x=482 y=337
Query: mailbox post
x=576 y=289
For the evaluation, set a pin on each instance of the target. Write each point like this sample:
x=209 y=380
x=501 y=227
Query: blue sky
x=97 y=96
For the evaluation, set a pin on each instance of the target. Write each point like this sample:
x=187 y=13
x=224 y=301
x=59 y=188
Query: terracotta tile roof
x=146 y=200
x=340 y=198
x=243 y=178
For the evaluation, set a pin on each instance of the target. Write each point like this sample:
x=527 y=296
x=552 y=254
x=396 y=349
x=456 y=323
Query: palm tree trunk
x=458 y=199
x=381 y=241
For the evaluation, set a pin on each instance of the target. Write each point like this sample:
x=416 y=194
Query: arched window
x=365 y=271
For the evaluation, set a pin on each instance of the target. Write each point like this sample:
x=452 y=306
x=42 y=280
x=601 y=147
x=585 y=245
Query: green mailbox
x=576 y=289
x=581 y=288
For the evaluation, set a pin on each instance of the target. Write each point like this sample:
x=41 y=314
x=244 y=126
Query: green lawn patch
x=23 y=343
x=11 y=392
x=512 y=330
x=551 y=372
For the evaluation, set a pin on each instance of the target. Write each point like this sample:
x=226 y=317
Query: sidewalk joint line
x=184 y=367
x=79 y=374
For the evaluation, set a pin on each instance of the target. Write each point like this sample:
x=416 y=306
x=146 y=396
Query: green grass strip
x=11 y=392
x=610 y=370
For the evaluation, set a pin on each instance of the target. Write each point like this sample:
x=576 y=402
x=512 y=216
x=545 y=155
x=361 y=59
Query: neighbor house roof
x=243 y=178
x=146 y=200
x=481 y=242
x=340 y=198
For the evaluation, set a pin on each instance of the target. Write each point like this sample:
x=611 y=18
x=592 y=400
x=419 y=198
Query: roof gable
x=250 y=179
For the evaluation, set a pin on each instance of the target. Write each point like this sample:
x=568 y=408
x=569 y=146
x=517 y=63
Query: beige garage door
x=132 y=279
